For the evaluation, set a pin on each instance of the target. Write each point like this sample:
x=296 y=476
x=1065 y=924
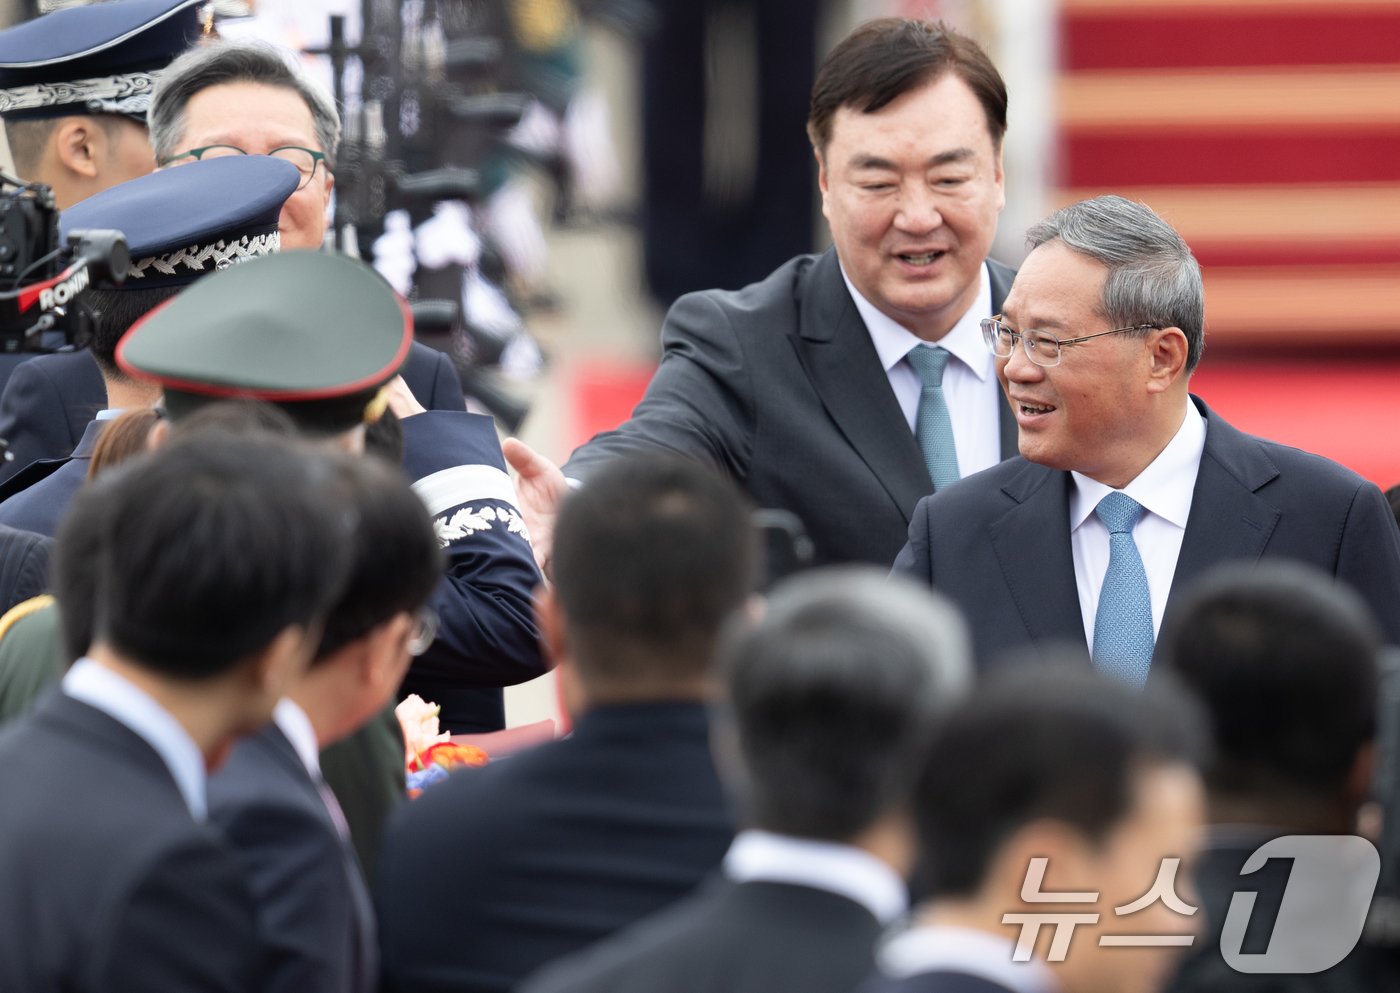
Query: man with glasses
x=220 y=98
x=1128 y=487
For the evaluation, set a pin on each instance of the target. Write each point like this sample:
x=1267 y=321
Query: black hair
x=883 y=59
x=1286 y=661
x=395 y=558
x=1048 y=743
x=832 y=695
x=211 y=547
x=650 y=556
x=115 y=312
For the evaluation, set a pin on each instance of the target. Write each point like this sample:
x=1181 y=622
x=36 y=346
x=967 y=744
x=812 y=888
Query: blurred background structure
x=671 y=155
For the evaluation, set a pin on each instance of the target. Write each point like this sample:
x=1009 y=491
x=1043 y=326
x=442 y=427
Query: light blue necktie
x=1123 y=637
x=933 y=427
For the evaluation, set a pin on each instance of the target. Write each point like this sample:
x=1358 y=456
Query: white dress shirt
x=292 y=721
x=956 y=949
x=970 y=385
x=762 y=856
x=125 y=702
x=1164 y=489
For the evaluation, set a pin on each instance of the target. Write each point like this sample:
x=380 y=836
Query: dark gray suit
x=779 y=386
x=109 y=883
x=314 y=913
x=751 y=937
x=998 y=542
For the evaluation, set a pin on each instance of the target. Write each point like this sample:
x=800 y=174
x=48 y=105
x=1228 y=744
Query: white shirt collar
x=124 y=701
x=825 y=865
x=893 y=340
x=956 y=949
x=1164 y=488
x=292 y=721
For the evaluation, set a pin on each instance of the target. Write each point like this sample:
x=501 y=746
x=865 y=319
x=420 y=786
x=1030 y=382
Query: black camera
x=42 y=282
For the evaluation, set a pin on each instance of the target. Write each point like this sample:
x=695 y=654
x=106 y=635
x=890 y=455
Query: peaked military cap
x=190 y=220
x=100 y=58
x=316 y=333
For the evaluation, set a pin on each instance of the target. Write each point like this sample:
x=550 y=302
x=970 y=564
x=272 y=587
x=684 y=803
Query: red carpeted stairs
x=1268 y=133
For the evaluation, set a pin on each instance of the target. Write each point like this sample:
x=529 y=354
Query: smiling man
x=849 y=384
x=1128 y=487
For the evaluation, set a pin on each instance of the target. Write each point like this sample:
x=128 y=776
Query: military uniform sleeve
x=33 y=420
x=487 y=634
x=700 y=403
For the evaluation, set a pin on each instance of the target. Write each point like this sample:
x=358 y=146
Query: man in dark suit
x=218 y=99
x=846 y=386
x=219 y=560
x=270 y=800
x=830 y=700
x=1059 y=801
x=1128 y=487
x=499 y=870
x=1295 y=756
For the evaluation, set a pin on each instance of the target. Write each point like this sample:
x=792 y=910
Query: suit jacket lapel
x=1229 y=521
x=1031 y=543
x=841 y=361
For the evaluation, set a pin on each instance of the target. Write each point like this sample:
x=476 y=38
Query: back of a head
x=115 y=311
x=395 y=558
x=883 y=59
x=650 y=557
x=832 y=695
x=1042 y=744
x=1287 y=664
x=210 y=548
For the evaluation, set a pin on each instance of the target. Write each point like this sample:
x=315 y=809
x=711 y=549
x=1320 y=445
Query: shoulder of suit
x=777 y=289
x=1290 y=465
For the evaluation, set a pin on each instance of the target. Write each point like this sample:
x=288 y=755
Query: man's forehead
x=243 y=107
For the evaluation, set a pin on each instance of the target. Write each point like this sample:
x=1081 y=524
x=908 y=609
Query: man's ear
x=1167 y=351
x=79 y=144
x=386 y=658
x=275 y=669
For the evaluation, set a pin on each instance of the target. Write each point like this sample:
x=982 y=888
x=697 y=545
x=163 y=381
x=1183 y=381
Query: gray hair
x=832 y=697
x=1152 y=276
x=233 y=61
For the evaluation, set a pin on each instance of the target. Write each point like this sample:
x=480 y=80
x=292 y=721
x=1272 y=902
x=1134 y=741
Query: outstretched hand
x=541 y=487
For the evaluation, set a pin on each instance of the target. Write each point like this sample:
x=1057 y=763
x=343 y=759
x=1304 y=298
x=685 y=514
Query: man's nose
x=1018 y=365
x=918 y=209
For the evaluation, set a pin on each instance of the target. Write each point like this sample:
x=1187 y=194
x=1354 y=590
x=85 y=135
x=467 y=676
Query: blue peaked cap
x=100 y=58
x=186 y=221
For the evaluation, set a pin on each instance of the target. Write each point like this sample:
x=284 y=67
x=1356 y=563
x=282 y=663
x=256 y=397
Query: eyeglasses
x=425 y=628
x=305 y=159
x=1041 y=348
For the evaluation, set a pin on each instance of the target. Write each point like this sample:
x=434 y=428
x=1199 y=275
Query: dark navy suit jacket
x=50 y=399
x=46 y=488
x=109 y=883
x=499 y=870
x=779 y=386
x=997 y=543
x=751 y=937
x=314 y=914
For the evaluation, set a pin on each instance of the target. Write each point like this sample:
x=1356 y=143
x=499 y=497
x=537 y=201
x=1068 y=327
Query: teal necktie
x=1123 y=638
x=933 y=426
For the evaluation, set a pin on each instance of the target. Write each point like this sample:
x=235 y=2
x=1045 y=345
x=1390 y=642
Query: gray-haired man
x=1128 y=487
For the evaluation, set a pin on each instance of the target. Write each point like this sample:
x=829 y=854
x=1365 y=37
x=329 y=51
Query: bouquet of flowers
x=429 y=754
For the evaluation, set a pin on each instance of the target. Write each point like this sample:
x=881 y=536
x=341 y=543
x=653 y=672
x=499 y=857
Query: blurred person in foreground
x=270 y=798
x=526 y=860
x=830 y=699
x=216 y=564
x=1287 y=664
x=1053 y=794
x=847 y=385
x=1127 y=487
